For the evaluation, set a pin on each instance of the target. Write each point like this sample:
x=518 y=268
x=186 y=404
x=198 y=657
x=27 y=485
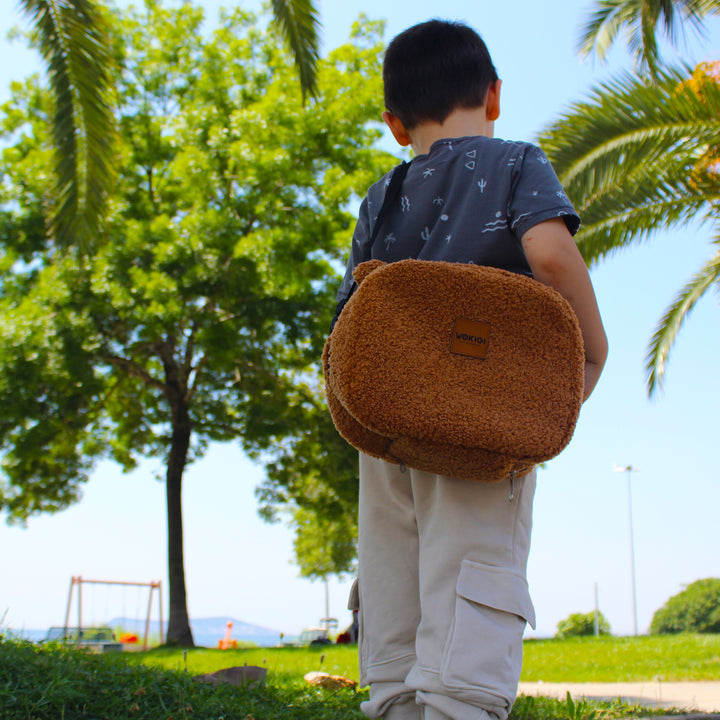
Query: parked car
x=314 y=636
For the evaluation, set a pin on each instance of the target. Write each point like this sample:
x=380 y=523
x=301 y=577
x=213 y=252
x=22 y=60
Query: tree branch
x=132 y=368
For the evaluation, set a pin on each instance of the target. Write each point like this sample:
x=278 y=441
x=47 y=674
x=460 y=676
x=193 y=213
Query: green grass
x=51 y=683
x=283 y=664
x=670 y=658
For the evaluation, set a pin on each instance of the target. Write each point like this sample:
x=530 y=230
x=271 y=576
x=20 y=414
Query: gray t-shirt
x=469 y=200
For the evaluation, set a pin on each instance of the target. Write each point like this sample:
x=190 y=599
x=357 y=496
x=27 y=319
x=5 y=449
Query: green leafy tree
x=582 y=624
x=694 y=610
x=201 y=314
x=640 y=156
x=313 y=480
x=324 y=544
x=73 y=39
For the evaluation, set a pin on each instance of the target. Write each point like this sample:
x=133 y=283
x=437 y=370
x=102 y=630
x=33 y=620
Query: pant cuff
x=441 y=707
x=391 y=701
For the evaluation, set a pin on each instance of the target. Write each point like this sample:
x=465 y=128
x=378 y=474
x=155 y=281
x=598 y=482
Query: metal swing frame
x=78 y=581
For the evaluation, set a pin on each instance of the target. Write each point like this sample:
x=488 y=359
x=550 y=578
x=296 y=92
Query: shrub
x=582 y=624
x=695 y=610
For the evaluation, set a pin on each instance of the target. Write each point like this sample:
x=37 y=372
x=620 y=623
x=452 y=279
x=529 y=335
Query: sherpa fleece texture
x=396 y=391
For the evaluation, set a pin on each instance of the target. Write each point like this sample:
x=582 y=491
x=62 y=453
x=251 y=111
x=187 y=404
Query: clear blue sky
x=238 y=566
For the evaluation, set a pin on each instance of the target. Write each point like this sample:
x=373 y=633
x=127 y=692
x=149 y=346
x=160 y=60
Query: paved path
x=686 y=696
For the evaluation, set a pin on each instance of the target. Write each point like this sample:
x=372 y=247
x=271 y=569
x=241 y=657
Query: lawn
x=49 y=683
x=670 y=658
x=607 y=659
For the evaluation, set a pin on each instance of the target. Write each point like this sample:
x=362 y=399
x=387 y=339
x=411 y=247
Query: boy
x=442 y=589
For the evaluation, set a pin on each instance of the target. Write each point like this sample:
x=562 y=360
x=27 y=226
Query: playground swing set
x=102 y=638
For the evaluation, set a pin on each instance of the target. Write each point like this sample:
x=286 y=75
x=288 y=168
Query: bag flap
x=394 y=369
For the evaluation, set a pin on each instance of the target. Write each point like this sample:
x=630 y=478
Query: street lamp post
x=629 y=469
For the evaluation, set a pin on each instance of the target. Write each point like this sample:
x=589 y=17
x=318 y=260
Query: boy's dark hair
x=434 y=68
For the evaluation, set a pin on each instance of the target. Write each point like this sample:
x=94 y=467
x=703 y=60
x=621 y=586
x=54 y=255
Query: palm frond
x=619 y=221
x=300 y=25
x=664 y=188
x=630 y=157
x=72 y=38
x=692 y=13
x=623 y=119
x=641 y=20
x=644 y=41
x=602 y=27
x=671 y=322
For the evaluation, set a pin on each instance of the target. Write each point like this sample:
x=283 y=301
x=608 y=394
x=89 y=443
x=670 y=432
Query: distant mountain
x=207 y=632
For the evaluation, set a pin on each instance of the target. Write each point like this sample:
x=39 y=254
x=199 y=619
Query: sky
x=238 y=566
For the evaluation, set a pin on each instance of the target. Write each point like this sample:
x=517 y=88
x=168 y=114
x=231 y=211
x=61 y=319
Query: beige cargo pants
x=442 y=592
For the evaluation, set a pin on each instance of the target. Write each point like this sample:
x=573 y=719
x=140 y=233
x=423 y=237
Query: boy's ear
x=397 y=128
x=492 y=104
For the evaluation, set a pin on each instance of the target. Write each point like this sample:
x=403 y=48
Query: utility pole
x=597 y=613
x=629 y=469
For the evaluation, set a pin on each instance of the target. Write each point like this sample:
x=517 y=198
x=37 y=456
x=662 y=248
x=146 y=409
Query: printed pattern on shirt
x=467 y=200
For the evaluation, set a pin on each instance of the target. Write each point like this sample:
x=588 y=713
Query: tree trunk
x=178 y=632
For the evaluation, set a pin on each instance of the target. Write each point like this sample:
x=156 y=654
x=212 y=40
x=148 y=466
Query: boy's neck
x=460 y=123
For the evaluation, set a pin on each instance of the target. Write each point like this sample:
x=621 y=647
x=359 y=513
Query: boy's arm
x=555 y=261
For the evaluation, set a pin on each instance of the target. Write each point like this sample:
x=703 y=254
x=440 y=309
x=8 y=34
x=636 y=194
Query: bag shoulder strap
x=393 y=189
x=396 y=179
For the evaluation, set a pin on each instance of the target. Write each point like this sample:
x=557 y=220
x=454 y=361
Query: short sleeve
x=538 y=195
x=359 y=250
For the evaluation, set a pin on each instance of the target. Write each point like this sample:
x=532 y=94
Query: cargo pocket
x=355 y=605
x=354 y=597
x=484 y=646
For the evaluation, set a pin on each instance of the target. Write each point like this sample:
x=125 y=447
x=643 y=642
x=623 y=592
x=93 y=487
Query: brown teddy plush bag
x=467 y=371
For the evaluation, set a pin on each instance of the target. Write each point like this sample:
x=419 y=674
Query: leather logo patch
x=470 y=338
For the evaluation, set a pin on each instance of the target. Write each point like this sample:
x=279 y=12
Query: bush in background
x=694 y=610
x=579 y=624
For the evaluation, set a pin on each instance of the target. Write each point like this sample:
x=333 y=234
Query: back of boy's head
x=434 y=68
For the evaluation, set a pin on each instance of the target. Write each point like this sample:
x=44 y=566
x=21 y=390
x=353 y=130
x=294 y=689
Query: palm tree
x=636 y=158
x=299 y=23
x=640 y=19
x=639 y=156
x=73 y=40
